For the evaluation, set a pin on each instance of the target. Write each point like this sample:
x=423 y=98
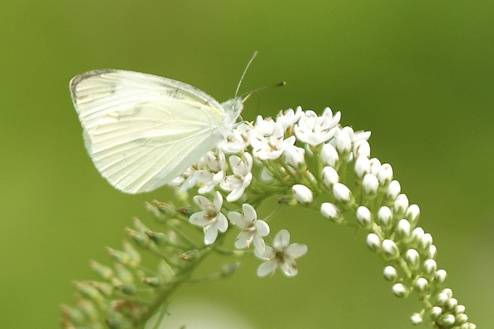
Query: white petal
x=249 y=212
x=243 y=240
x=266 y=255
x=235 y=194
x=262 y=227
x=289 y=268
x=296 y=250
x=221 y=223
x=202 y=201
x=237 y=219
x=210 y=234
x=281 y=240
x=218 y=200
x=259 y=244
x=199 y=219
x=267 y=268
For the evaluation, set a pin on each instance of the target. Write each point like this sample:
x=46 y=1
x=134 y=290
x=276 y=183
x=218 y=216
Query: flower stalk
x=301 y=159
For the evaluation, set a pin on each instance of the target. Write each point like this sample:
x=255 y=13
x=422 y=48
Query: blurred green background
x=419 y=74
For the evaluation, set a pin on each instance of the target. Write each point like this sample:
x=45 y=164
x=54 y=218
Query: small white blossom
x=315 y=130
x=302 y=193
x=267 y=139
x=241 y=178
x=417 y=234
x=330 y=211
x=282 y=255
x=210 y=217
x=385 y=173
x=421 y=283
x=329 y=155
x=341 y=192
x=413 y=213
x=237 y=141
x=390 y=273
x=432 y=251
x=362 y=166
x=361 y=149
x=447 y=320
x=436 y=311
x=375 y=166
x=384 y=216
x=363 y=216
x=426 y=241
x=412 y=257
x=212 y=174
x=373 y=241
x=343 y=140
x=403 y=228
x=253 y=230
x=330 y=176
x=401 y=203
x=441 y=275
x=430 y=266
x=416 y=319
x=400 y=290
x=294 y=155
x=394 y=189
x=289 y=117
x=370 y=184
x=390 y=248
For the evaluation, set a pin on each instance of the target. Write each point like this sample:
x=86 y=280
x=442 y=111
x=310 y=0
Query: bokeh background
x=419 y=74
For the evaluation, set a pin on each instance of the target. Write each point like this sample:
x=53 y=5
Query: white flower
x=400 y=290
x=385 y=173
x=209 y=218
x=213 y=174
x=362 y=166
x=330 y=211
x=363 y=216
x=294 y=156
x=361 y=149
x=252 y=229
x=416 y=319
x=384 y=216
x=241 y=178
x=343 y=140
x=237 y=141
x=373 y=241
x=315 y=130
x=390 y=273
x=341 y=192
x=329 y=155
x=267 y=139
x=394 y=189
x=289 y=117
x=282 y=254
x=302 y=193
x=370 y=184
x=329 y=176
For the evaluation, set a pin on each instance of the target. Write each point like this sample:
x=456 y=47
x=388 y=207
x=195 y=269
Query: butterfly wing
x=141 y=130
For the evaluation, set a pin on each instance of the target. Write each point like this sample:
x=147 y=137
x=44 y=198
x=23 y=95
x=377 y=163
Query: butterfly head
x=232 y=107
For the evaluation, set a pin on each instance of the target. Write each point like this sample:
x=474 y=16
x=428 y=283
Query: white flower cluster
x=302 y=158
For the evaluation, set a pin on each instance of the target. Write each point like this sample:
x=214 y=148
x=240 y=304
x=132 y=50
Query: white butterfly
x=141 y=130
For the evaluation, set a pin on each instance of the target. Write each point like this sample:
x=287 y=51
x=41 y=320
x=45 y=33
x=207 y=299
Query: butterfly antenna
x=245 y=71
x=252 y=92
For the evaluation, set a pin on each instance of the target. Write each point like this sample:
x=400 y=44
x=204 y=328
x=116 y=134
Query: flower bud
x=370 y=184
x=330 y=211
x=403 y=228
x=441 y=276
x=393 y=190
x=294 y=156
x=416 y=319
x=401 y=203
x=399 y=290
x=390 y=248
x=362 y=149
x=329 y=155
x=432 y=251
x=329 y=176
x=412 y=257
x=417 y=234
x=375 y=165
x=436 y=312
x=302 y=193
x=430 y=266
x=341 y=192
x=390 y=273
x=426 y=241
x=421 y=283
x=413 y=213
x=447 y=320
x=385 y=173
x=384 y=216
x=362 y=166
x=363 y=216
x=452 y=303
x=373 y=241
x=442 y=298
x=459 y=309
x=461 y=318
x=343 y=141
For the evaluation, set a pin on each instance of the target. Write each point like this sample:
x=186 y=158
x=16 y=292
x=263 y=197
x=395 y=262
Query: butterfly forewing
x=141 y=130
